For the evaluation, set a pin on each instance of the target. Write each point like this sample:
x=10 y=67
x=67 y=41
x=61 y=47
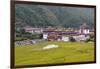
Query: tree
x=72 y=39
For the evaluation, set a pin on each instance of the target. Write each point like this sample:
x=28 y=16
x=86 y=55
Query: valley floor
x=65 y=53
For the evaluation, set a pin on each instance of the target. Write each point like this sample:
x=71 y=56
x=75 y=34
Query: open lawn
x=65 y=53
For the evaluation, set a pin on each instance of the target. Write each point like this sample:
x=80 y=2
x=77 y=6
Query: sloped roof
x=84 y=26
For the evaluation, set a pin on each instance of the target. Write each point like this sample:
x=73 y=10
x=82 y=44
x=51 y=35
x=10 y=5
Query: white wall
x=5 y=34
x=64 y=38
x=45 y=36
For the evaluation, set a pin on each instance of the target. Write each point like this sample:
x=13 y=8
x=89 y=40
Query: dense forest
x=44 y=16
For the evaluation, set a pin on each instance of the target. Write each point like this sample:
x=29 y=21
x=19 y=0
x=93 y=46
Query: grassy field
x=65 y=53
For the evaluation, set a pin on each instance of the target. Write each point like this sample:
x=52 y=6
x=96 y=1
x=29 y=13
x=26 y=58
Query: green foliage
x=27 y=35
x=43 y=16
x=91 y=39
x=22 y=35
x=20 y=38
x=36 y=36
x=72 y=39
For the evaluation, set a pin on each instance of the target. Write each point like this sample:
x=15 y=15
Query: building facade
x=80 y=35
x=33 y=30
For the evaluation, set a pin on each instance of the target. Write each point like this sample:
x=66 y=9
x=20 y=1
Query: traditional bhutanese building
x=80 y=35
x=33 y=30
x=84 y=29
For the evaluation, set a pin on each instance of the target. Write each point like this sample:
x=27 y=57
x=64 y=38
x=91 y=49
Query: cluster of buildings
x=51 y=34
x=33 y=30
x=25 y=42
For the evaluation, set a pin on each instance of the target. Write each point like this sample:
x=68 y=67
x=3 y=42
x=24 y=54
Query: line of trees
x=22 y=35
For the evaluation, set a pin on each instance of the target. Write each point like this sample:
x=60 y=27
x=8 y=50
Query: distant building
x=84 y=29
x=33 y=30
x=81 y=35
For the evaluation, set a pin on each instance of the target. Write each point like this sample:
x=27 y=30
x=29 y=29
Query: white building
x=45 y=35
x=33 y=30
x=82 y=35
x=84 y=29
x=65 y=38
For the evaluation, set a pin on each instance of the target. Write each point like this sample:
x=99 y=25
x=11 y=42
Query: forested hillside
x=44 y=16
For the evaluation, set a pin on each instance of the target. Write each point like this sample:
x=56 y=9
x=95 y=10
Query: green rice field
x=66 y=52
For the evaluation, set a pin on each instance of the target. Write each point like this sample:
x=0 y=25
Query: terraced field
x=65 y=53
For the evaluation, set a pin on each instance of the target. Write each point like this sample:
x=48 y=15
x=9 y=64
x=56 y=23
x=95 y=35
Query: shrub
x=72 y=39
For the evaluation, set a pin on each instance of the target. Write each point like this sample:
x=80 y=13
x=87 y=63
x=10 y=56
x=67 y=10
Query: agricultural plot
x=65 y=52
